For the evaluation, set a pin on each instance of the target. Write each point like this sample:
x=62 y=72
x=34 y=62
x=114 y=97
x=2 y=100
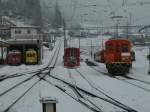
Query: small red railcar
x=14 y=57
x=117 y=56
x=71 y=57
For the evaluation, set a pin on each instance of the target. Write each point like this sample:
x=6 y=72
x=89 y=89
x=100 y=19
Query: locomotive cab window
x=33 y=55
x=71 y=52
x=124 y=48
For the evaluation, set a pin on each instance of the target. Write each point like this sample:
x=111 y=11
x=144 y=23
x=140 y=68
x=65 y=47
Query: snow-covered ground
x=89 y=79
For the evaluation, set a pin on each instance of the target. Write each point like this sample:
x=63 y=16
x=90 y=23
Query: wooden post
x=24 y=54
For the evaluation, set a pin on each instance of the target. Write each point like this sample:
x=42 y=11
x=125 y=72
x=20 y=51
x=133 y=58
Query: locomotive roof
x=14 y=51
x=120 y=40
x=31 y=50
x=3 y=43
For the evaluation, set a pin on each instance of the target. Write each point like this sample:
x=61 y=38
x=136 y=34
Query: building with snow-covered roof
x=26 y=32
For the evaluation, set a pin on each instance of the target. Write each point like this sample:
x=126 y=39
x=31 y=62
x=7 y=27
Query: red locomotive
x=14 y=57
x=71 y=57
x=99 y=56
x=117 y=56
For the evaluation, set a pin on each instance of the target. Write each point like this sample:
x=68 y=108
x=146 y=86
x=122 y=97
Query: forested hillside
x=26 y=10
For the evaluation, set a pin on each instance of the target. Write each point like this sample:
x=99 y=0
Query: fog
x=101 y=11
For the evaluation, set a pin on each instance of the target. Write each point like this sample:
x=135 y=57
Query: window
x=33 y=55
x=125 y=48
x=29 y=31
x=71 y=52
x=17 y=31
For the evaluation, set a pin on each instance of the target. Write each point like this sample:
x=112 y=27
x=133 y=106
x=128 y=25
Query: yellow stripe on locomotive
x=31 y=56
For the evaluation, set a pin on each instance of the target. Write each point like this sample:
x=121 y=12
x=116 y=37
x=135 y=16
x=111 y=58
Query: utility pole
x=80 y=30
x=127 y=29
x=130 y=16
x=65 y=40
x=117 y=18
x=79 y=43
x=149 y=60
x=91 y=49
x=130 y=22
x=117 y=25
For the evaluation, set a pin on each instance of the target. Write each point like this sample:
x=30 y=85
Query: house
x=25 y=32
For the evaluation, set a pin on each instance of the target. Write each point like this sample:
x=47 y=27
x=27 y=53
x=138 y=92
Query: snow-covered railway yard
x=78 y=90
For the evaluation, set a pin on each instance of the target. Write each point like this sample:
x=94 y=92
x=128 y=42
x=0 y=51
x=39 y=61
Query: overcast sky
x=105 y=9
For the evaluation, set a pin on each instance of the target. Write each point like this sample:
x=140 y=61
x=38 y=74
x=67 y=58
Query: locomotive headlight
x=125 y=58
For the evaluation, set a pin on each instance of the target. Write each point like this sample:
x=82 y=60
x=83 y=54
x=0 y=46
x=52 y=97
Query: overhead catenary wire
x=83 y=6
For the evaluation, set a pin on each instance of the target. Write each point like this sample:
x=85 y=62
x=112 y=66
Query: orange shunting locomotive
x=117 y=56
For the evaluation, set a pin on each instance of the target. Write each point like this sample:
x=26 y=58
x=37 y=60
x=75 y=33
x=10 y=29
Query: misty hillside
x=26 y=10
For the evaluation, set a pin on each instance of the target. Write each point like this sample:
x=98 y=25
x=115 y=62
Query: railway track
x=11 y=105
x=80 y=92
x=123 y=106
x=125 y=76
x=39 y=73
x=4 y=77
x=27 y=79
x=132 y=78
x=77 y=92
x=125 y=79
x=72 y=96
x=133 y=84
x=18 y=84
